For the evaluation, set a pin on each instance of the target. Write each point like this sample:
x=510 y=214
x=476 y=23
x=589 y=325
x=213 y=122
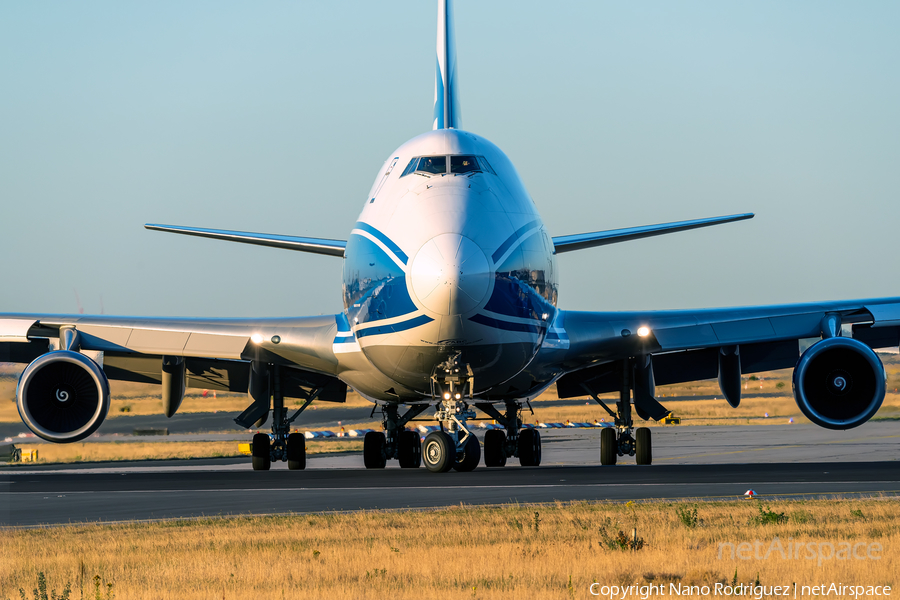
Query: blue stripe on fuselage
x=507 y=325
x=384 y=240
x=374 y=283
x=511 y=240
x=344 y=335
x=394 y=328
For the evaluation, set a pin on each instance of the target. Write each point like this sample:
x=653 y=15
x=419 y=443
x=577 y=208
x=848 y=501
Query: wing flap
x=15 y=330
x=884 y=314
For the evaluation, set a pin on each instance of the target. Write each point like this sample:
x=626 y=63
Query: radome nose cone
x=450 y=274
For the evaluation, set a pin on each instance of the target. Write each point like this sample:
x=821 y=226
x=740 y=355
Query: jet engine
x=839 y=383
x=63 y=396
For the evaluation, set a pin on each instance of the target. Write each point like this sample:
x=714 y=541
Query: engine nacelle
x=839 y=383
x=63 y=396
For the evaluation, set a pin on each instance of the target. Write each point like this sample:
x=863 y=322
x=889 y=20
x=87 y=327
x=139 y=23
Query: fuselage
x=449 y=257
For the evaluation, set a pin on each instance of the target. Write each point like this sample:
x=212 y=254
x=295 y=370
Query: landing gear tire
x=439 y=452
x=262 y=459
x=470 y=457
x=373 y=450
x=643 y=448
x=409 y=451
x=609 y=446
x=296 y=452
x=494 y=451
x=530 y=448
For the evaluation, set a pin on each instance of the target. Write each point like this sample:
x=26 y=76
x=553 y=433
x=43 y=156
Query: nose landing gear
x=455 y=446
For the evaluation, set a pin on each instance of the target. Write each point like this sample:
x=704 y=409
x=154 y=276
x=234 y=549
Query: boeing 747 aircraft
x=450 y=303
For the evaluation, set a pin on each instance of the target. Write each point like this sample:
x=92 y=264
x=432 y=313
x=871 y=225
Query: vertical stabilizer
x=446 y=96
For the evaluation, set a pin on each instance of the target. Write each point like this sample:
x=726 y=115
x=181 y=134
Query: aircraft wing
x=568 y=243
x=217 y=352
x=685 y=344
x=285 y=242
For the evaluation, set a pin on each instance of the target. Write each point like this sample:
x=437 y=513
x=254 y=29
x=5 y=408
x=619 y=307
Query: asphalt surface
x=689 y=463
x=75 y=497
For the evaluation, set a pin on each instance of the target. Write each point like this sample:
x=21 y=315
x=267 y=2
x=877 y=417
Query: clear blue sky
x=276 y=116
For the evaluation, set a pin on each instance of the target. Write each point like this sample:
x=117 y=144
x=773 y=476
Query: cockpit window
x=485 y=165
x=460 y=164
x=463 y=164
x=433 y=164
x=410 y=167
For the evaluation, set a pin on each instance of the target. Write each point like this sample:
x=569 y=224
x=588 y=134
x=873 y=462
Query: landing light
x=446 y=395
x=256 y=338
x=643 y=331
x=458 y=396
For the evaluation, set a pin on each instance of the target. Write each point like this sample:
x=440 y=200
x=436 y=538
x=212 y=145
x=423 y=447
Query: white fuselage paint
x=440 y=264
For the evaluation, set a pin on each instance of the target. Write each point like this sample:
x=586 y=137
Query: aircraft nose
x=450 y=274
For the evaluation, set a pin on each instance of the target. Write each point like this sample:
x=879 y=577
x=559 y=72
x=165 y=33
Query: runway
x=689 y=463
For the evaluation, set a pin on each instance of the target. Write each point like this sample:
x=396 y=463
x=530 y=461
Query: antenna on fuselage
x=446 y=95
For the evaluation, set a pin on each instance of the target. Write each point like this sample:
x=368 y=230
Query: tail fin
x=446 y=96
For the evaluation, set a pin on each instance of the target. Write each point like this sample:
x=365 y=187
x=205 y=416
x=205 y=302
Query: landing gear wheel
x=373 y=450
x=296 y=452
x=643 y=448
x=409 y=451
x=494 y=451
x=439 y=452
x=470 y=456
x=529 y=448
x=260 y=451
x=609 y=446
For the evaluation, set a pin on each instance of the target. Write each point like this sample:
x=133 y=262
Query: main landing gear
x=395 y=442
x=455 y=446
x=281 y=445
x=500 y=445
x=623 y=439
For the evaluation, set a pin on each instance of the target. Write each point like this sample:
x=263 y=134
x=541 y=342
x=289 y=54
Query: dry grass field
x=113 y=451
x=545 y=552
